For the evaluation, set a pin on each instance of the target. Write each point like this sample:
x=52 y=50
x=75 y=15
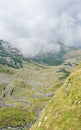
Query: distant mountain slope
x=10 y=56
x=57 y=58
x=63 y=112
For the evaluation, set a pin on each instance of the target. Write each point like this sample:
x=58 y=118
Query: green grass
x=7 y=70
x=63 y=112
x=15 y=117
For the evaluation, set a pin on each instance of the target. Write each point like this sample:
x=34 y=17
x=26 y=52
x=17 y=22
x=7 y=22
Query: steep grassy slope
x=63 y=112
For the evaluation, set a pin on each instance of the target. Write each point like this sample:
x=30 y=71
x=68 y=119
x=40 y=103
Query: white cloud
x=35 y=26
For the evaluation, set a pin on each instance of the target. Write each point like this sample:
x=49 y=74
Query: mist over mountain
x=36 y=26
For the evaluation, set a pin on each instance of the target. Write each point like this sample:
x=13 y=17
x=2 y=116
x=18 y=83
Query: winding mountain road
x=8 y=91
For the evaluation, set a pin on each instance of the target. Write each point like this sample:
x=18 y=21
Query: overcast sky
x=36 y=26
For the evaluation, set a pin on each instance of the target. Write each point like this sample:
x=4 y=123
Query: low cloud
x=36 y=26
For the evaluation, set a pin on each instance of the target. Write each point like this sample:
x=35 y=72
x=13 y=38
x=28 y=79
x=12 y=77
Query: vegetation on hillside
x=10 y=56
x=63 y=112
x=57 y=58
x=15 y=117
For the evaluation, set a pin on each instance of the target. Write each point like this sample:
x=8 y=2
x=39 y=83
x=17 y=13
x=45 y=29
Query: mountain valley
x=31 y=85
